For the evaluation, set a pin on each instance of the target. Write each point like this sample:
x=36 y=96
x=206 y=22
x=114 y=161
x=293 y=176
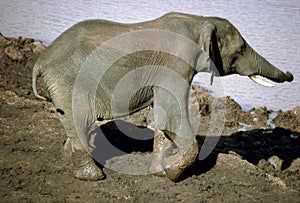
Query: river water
x=271 y=27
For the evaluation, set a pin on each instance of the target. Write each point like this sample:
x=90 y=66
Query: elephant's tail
x=36 y=73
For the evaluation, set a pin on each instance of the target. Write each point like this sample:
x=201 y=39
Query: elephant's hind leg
x=84 y=167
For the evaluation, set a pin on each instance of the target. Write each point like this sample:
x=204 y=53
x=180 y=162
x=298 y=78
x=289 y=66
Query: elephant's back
x=84 y=36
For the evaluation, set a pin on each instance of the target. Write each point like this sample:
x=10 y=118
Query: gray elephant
x=99 y=69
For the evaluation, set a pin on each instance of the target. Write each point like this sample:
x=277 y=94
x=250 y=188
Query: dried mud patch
x=256 y=159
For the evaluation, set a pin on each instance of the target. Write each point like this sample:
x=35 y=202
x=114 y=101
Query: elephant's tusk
x=259 y=81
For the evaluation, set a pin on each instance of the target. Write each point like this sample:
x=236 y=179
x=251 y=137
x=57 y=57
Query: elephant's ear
x=210 y=58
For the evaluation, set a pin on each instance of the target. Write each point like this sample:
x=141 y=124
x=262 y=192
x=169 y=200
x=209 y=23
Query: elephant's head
x=230 y=53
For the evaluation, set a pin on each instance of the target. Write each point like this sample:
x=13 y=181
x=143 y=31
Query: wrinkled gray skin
x=217 y=40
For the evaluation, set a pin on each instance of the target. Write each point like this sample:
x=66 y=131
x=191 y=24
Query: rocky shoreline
x=256 y=159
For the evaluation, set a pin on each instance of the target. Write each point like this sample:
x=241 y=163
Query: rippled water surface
x=271 y=27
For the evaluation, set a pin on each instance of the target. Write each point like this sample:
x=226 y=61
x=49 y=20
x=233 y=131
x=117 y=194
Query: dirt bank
x=256 y=158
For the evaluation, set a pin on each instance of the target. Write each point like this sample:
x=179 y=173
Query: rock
x=258 y=117
x=26 y=41
x=289 y=119
x=276 y=162
x=233 y=162
x=266 y=166
x=38 y=46
x=13 y=53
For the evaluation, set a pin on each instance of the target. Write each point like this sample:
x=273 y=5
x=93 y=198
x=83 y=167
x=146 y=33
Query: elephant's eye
x=236 y=56
x=240 y=52
x=232 y=64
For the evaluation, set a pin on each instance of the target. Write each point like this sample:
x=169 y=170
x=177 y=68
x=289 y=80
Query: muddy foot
x=85 y=168
x=89 y=172
x=184 y=157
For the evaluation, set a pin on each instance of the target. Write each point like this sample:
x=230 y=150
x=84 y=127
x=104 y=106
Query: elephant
x=103 y=70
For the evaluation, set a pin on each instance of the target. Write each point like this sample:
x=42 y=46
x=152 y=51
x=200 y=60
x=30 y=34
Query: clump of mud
x=289 y=119
x=17 y=57
x=256 y=157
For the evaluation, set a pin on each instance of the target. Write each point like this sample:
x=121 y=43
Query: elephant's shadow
x=253 y=146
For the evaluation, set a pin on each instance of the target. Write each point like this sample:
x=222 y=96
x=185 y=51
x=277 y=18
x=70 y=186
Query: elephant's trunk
x=266 y=69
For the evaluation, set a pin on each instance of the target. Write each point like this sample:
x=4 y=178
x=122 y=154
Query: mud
x=256 y=158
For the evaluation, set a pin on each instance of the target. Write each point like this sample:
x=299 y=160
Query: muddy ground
x=256 y=159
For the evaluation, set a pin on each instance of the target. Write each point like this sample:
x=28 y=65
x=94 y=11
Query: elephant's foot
x=85 y=167
x=183 y=156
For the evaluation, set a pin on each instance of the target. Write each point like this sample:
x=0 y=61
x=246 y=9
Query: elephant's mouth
x=262 y=81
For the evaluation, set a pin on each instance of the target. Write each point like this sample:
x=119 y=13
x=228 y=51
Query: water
x=271 y=27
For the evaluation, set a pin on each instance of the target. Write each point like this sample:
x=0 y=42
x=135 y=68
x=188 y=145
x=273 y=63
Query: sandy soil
x=256 y=159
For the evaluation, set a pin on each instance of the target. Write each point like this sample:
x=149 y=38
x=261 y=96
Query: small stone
x=13 y=54
x=276 y=162
x=38 y=47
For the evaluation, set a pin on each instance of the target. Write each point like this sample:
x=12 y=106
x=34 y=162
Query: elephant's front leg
x=171 y=117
